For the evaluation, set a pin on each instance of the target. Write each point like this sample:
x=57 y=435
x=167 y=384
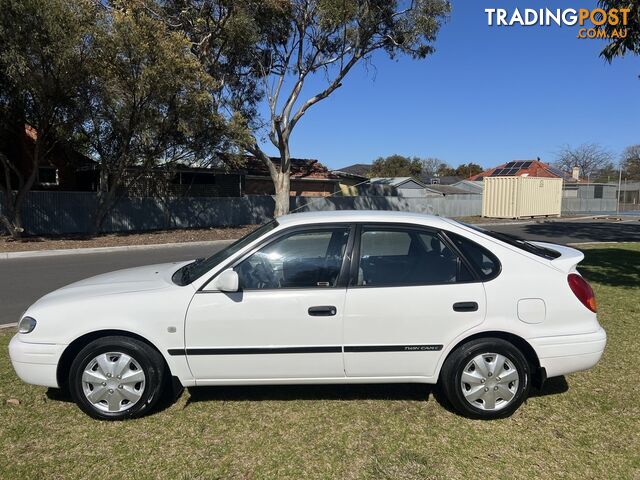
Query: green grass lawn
x=585 y=427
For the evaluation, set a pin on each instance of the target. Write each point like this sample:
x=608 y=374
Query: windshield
x=518 y=242
x=199 y=267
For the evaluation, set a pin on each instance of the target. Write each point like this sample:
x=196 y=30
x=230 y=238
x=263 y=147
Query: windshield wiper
x=186 y=270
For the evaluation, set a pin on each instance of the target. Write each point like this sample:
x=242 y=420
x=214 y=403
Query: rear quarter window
x=483 y=261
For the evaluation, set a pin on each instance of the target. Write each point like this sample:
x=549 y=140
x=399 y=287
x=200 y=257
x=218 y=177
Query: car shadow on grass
x=256 y=393
x=252 y=393
x=391 y=391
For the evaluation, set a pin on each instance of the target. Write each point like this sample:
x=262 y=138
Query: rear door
x=411 y=293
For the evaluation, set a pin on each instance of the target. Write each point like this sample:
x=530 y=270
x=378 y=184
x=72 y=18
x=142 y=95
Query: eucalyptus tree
x=264 y=53
x=44 y=71
x=150 y=103
x=629 y=43
x=396 y=166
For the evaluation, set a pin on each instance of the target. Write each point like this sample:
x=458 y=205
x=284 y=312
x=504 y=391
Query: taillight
x=581 y=289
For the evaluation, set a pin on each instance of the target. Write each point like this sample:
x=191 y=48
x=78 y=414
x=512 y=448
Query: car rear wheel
x=486 y=378
x=115 y=378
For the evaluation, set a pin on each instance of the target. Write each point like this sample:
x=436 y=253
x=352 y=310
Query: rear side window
x=397 y=257
x=485 y=262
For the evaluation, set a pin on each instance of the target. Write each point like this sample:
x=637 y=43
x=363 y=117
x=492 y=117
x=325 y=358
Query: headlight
x=26 y=325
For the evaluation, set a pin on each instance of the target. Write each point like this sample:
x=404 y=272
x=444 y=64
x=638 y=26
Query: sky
x=487 y=95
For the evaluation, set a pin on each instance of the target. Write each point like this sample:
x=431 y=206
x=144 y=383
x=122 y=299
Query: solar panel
x=558 y=172
x=510 y=165
x=526 y=164
x=504 y=172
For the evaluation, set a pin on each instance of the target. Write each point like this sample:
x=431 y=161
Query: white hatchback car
x=327 y=297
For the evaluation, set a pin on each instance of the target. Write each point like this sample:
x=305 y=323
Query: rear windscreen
x=520 y=243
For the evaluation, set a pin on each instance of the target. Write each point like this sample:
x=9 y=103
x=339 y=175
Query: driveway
x=24 y=280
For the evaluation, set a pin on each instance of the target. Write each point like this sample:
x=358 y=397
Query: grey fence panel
x=70 y=212
x=448 y=206
x=223 y=211
x=58 y=212
x=588 y=205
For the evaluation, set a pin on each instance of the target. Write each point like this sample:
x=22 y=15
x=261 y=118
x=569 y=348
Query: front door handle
x=323 y=311
x=465 y=307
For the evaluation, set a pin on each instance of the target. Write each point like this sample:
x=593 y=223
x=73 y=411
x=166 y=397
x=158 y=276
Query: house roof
x=396 y=181
x=443 y=180
x=357 y=169
x=62 y=151
x=524 y=168
x=470 y=186
x=301 y=168
x=448 y=190
x=342 y=174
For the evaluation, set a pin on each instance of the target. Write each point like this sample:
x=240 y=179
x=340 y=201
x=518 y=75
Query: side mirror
x=227 y=281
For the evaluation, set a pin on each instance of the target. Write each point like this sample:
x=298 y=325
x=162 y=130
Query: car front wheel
x=114 y=378
x=486 y=378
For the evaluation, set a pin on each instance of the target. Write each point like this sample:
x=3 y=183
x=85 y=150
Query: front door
x=285 y=323
x=412 y=296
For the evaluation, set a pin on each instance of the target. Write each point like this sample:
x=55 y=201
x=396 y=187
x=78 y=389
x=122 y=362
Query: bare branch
x=325 y=93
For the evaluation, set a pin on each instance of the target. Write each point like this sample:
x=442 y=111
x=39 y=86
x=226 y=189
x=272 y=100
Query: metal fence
x=70 y=212
x=588 y=205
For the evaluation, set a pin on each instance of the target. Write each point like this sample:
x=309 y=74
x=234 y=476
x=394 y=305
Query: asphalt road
x=22 y=281
x=576 y=231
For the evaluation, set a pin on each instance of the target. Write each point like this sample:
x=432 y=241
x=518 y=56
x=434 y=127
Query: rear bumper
x=35 y=363
x=566 y=354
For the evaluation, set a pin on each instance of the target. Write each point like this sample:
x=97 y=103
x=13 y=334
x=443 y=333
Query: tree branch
x=325 y=93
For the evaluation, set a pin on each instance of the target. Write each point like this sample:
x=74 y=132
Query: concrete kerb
x=84 y=251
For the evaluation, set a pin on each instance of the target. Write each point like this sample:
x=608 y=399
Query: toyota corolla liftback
x=327 y=297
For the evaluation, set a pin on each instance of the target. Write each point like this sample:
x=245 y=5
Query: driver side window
x=306 y=259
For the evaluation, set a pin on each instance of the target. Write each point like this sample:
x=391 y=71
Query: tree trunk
x=282 y=179
x=18 y=202
x=8 y=216
x=12 y=219
x=11 y=225
x=104 y=201
x=282 y=187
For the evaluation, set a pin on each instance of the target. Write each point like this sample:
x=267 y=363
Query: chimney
x=575 y=173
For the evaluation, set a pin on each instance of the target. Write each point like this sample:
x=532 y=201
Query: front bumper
x=561 y=355
x=35 y=363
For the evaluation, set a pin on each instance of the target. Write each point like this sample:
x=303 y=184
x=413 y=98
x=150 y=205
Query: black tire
x=144 y=356
x=454 y=367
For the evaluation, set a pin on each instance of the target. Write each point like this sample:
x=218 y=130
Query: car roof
x=305 y=218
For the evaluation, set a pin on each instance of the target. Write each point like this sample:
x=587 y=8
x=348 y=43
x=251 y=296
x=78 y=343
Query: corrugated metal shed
x=518 y=197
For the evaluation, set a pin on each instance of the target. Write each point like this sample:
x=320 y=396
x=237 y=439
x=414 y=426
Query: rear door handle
x=465 y=307
x=323 y=311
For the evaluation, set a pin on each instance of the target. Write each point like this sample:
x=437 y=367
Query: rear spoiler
x=568 y=259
